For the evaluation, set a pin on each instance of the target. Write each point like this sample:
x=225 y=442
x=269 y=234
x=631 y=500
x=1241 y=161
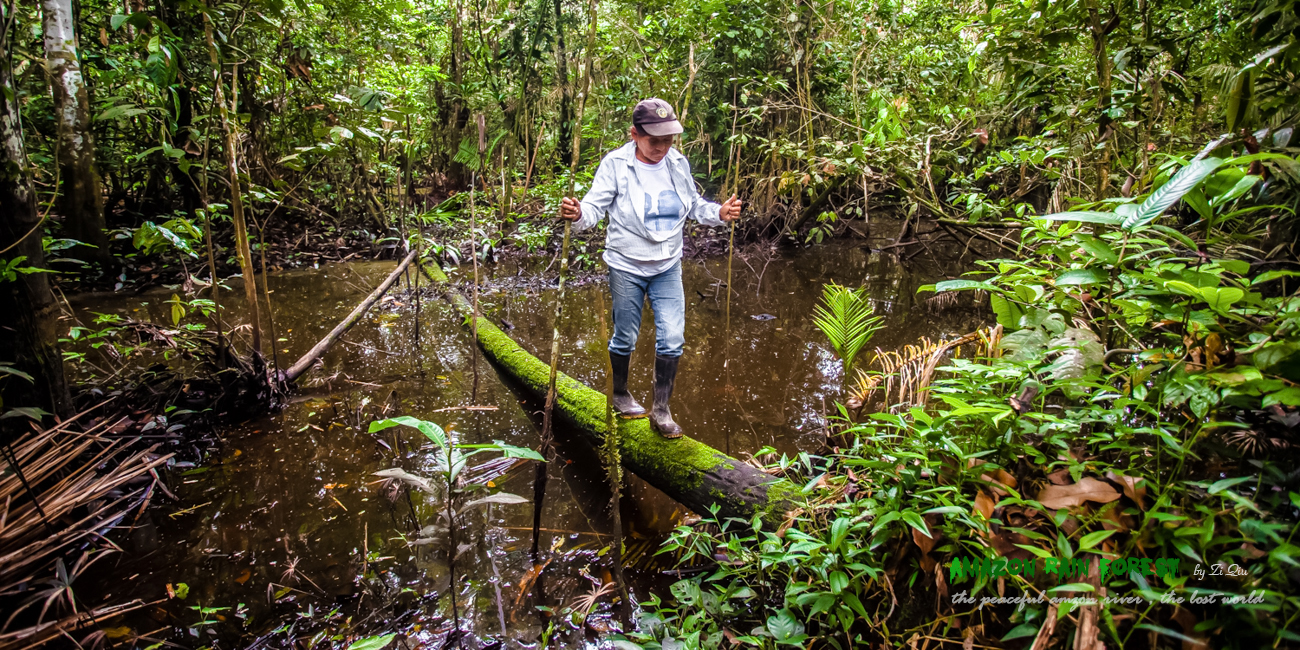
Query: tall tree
x=82 y=202
x=27 y=333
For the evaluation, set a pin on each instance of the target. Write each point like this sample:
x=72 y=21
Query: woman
x=647 y=189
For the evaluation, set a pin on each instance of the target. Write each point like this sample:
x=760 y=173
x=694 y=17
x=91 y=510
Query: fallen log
x=693 y=473
x=317 y=351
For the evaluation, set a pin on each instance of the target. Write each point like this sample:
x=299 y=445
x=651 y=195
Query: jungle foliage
x=1137 y=398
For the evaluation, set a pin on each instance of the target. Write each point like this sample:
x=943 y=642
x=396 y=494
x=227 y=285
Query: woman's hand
x=730 y=209
x=570 y=209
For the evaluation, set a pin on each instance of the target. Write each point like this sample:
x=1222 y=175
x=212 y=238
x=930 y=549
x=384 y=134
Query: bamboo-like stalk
x=243 y=252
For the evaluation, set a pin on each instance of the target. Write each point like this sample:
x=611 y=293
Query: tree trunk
x=562 y=144
x=693 y=473
x=82 y=202
x=1099 y=33
x=28 y=331
x=236 y=195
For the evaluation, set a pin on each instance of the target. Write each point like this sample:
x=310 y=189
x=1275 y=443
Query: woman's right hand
x=570 y=209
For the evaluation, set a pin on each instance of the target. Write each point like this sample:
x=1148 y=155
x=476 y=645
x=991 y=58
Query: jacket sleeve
x=705 y=211
x=600 y=198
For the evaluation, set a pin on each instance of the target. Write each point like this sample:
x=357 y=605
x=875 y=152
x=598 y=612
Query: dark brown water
x=286 y=525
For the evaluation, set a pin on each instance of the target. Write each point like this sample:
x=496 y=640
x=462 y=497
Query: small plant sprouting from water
x=845 y=317
x=449 y=463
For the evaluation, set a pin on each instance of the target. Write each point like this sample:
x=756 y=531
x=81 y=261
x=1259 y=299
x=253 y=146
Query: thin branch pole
x=540 y=486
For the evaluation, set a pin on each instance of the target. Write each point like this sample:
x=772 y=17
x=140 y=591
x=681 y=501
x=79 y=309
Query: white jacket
x=612 y=191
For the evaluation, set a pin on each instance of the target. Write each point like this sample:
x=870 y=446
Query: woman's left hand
x=730 y=209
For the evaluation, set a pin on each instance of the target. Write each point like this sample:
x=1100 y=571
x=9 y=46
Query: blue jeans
x=666 y=299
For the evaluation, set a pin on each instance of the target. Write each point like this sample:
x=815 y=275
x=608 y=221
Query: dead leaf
x=984 y=504
x=1087 y=489
x=1188 y=622
x=924 y=542
x=1131 y=488
x=243 y=577
x=1060 y=477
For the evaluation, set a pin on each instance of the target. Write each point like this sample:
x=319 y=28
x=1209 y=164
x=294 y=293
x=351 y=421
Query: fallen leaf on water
x=1056 y=497
x=117 y=632
x=243 y=577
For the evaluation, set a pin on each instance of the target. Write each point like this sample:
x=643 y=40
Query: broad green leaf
x=960 y=285
x=1008 y=312
x=1108 y=218
x=372 y=642
x=1075 y=277
x=1093 y=539
x=1173 y=190
x=1220 y=299
x=1219 y=486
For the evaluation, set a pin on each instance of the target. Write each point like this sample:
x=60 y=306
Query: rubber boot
x=624 y=404
x=661 y=419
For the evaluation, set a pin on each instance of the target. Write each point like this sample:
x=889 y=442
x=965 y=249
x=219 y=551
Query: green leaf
x=1008 y=312
x=1239 y=98
x=116 y=21
x=1170 y=633
x=430 y=430
x=1021 y=631
x=1219 y=486
x=1173 y=190
x=961 y=285
x=915 y=521
x=10 y=370
x=1221 y=298
x=372 y=642
x=1091 y=540
x=1081 y=276
x=1108 y=218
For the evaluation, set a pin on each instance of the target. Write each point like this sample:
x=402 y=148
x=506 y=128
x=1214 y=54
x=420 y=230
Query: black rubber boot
x=624 y=403
x=661 y=419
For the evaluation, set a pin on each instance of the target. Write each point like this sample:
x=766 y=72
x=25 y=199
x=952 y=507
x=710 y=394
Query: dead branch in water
x=317 y=351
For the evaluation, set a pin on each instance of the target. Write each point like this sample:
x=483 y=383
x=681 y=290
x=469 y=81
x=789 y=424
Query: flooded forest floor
x=274 y=528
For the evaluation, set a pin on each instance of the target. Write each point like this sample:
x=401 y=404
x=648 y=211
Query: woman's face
x=651 y=148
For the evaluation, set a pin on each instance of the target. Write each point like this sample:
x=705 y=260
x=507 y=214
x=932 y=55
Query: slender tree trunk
x=1099 y=33
x=28 y=330
x=236 y=196
x=562 y=144
x=82 y=201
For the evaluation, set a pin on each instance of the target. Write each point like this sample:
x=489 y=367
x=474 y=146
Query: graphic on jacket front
x=663 y=217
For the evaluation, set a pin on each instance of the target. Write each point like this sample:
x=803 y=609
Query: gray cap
x=655 y=116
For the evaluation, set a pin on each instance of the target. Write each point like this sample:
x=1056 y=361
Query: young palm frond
x=845 y=317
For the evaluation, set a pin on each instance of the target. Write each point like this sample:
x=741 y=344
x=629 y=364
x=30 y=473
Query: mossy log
x=691 y=472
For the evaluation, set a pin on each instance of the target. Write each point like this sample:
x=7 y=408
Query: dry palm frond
x=906 y=373
x=1254 y=443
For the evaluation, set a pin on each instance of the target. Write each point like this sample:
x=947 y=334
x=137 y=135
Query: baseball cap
x=655 y=116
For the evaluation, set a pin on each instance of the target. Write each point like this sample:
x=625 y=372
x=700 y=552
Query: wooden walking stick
x=734 y=172
x=539 y=484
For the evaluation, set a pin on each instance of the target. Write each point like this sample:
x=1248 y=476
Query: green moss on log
x=687 y=470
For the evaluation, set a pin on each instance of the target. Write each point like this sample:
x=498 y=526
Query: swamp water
x=285 y=526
